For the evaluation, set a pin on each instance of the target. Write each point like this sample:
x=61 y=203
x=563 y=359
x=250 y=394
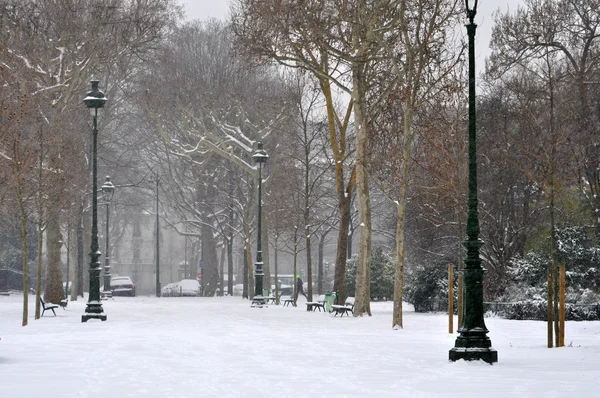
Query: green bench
x=318 y=304
x=347 y=308
x=48 y=306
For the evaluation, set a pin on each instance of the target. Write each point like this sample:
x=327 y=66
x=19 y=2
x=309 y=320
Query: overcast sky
x=205 y=9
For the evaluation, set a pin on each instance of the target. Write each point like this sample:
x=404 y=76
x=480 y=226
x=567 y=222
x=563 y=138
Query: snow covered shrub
x=382 y=275
x=530 y=270
x=581 y=255
x=426 y=286
x=523 y=292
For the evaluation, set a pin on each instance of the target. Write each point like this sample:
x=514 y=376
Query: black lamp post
x=94 y=100
x=260 y=157
x=473 y=342
x=108 y=190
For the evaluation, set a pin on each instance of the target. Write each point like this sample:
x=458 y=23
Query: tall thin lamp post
x=95 y=101
x=473 y=342
x=260 y=157
x=108 y=190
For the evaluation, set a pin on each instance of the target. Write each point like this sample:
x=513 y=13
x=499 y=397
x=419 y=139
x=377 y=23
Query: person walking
x=299 y=289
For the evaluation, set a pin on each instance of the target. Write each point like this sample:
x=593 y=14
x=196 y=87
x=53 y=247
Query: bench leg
x=53 y=311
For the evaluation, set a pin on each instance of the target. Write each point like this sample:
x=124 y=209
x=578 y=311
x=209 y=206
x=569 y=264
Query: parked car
x=188 y=287
x=238 y=289
x=169 y=290
x=122 y=286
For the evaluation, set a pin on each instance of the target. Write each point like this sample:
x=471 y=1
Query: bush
x=426 y=287
x=382 y=275
x=538 y=310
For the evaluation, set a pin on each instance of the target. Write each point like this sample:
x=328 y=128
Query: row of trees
x=360 y=105
x=45 y=156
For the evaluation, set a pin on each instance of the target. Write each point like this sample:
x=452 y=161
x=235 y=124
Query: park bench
x=287 y=300
x=48 y=306
x=347 y=308
x=320 y=303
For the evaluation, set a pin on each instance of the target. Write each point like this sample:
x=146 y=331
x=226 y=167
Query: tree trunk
x=295 y=267
x=230 y=264
x=245 y=272
x=25 y=245
x=342 y=247
x=210 y=273
x=78 y=288
x=276 y=259
x=248 y=256
x=53 y=291
x=401 y=222
x=344 y=193
x=38 y=283
x=363 y=271
x=308 y=264
x=265 y=250
x=222 y=268
x=320 y=273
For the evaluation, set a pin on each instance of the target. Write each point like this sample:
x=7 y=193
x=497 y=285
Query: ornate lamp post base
x=472 y=346
x=258 y=300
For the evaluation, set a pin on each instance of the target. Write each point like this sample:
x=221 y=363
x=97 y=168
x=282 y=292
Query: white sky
x=204 y=9
x=189 y=347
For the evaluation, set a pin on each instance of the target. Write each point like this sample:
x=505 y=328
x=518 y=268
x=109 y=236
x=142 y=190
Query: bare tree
x=299 y=35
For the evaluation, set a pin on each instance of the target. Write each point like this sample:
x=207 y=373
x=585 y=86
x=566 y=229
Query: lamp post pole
x=94 y=100
x=473 y=342
x=260 y=157
x=108 y=189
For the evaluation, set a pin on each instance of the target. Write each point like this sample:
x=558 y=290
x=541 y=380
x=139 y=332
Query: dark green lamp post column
x=473 y=342
x=260 y=157
x=108 y=190
x=94 y=100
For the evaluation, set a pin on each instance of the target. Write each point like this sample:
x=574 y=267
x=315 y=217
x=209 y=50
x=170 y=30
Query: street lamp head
x=108 y=190
x=471 y=10
x=260 y=156
x=95 y=99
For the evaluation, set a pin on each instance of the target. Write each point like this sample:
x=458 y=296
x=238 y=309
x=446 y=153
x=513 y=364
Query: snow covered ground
x=220 y=347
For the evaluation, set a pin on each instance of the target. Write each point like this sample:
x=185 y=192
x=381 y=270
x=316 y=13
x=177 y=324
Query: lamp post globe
x=95 y=101
x=260 y=156
x=473 y=342
x=108 y=190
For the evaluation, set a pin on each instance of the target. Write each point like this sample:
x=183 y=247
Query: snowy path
x=220 y=347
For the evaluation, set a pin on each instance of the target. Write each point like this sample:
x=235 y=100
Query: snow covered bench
x=47 y=306
x=320 y=303
x=287 y=300
x=347 y=308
